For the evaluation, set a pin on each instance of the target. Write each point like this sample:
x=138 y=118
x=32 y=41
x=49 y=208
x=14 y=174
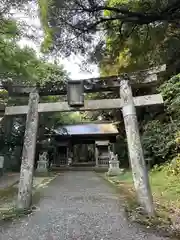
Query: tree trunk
x=139 y=171
x=28 y=154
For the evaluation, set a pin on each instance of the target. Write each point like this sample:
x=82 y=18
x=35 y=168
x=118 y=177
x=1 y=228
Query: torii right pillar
x=139 y=171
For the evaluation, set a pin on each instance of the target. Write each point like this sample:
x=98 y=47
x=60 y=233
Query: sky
x=71 y=64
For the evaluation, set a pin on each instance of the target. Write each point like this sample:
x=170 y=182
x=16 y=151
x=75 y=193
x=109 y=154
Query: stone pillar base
x=114 y=169
x=112 y=172
x=42 y=166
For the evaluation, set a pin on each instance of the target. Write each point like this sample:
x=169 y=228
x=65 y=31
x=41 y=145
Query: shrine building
x=85 y=144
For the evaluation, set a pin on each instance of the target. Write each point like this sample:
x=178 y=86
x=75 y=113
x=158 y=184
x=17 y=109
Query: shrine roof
x=87 y=129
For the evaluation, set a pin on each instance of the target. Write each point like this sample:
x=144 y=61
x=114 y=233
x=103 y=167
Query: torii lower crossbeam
x=90 y=105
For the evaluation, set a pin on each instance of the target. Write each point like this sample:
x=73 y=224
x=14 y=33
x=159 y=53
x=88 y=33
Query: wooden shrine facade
x=72 y=141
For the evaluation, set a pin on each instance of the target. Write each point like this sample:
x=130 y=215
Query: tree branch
x=123 y=13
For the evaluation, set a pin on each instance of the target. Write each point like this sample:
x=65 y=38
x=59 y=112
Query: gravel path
x=77 y=205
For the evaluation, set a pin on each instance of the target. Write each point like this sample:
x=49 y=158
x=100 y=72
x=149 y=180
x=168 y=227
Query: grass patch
x=7 y=193
x=125 y=178
x=166 y=189
x=166 y=194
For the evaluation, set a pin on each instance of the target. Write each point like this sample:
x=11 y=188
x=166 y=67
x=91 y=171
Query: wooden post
x=67 y=154
x=113 y=148
x=28 y=154
x=54 y=156
x=96 y=155
x=139 y=172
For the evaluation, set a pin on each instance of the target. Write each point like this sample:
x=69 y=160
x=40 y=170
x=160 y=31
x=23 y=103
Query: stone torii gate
x=128 y=104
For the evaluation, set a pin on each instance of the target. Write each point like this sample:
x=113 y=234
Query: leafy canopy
x=76 y=23
x=22 y=64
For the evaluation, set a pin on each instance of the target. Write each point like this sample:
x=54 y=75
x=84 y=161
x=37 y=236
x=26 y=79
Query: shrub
x=170 y=91
x=159 y=142
x=173 y=168
x=161 y=139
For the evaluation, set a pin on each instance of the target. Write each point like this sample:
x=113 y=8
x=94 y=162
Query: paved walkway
x=77 y=205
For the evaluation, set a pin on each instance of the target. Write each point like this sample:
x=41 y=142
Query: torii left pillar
x=28 y=154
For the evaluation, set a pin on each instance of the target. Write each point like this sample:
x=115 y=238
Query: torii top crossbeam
x=137 y=80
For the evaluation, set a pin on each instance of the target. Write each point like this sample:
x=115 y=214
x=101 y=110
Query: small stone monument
x=114 y=169
x=42 y=163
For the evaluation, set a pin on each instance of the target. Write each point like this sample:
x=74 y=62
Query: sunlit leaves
x=159 y=140
x=44 y=6
x=8 y=28
x=147 y=44
x=171 y=94
x=24 y=66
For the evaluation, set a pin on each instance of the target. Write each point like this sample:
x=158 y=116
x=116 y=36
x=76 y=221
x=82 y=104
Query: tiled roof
x=87 y=129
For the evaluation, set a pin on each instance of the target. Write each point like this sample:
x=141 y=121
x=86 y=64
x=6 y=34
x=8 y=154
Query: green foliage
x=44 y=6
x=9 y=29
x=143 y=48
x=157 y=168
x=22 y=65
x=161 y=140
x=173 y=168
x=171 y=94
x=130 y=47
